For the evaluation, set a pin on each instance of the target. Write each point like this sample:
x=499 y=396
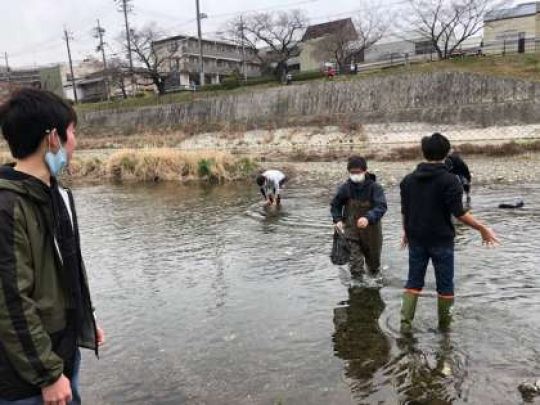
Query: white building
x=220 y=60
x=396 y=46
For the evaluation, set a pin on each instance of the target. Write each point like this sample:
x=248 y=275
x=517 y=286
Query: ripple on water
x=207 y=298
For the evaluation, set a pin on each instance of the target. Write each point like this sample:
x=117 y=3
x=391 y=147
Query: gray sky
x=31 y=31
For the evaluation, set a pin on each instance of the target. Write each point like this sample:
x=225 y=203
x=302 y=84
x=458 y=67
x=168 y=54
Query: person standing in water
x=270 y=183
x=430 y=196
x=357 y=210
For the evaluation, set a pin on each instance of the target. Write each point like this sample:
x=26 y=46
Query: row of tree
x=274 y=36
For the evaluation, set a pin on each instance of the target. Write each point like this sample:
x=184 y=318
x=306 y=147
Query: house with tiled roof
x=328 y=28
x=307 y=59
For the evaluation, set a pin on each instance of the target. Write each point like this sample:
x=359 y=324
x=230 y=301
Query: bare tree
x=150 y=56
x=276 y=32
x=346 y=45
x=119 y=75
x=448 y=23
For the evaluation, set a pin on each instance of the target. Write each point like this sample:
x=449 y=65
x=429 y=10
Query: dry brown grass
x=147 y=139
x=151 y=165
x=406 y=153
x=524 y=66
x=505 y=149
x=318 y=156
x=93 y=138
x=495 y=150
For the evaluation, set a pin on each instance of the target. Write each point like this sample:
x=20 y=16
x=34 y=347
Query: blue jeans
x=442 y=258
x=74 y=389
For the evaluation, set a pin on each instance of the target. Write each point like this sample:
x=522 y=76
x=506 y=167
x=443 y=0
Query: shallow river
x=208 y=300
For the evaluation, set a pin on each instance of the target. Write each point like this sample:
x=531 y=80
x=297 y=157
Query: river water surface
x=207 y=299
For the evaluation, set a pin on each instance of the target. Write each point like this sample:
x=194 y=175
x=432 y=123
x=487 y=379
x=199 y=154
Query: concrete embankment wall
x=440 y=98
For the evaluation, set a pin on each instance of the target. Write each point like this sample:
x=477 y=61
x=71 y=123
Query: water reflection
x=359 y=340
x=208 y=299
x=427 y=375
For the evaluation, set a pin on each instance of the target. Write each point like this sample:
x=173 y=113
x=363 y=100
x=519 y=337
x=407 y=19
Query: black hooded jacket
x=456 y=165
x=429 y=197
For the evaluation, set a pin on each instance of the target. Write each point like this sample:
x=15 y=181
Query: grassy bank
x=152 y=165
x=405 y=153
x=525 y=66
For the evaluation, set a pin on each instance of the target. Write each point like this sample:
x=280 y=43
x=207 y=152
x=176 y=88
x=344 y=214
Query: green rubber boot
x=408 y=308
x=444 y=310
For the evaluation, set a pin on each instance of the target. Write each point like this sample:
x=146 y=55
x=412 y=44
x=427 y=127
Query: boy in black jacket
x=430 y=196
x=357 y=210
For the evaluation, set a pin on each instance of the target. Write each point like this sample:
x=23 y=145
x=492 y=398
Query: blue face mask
x=56 y=161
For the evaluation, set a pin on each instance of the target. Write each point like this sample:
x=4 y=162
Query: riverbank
x=485 y=170
x=526 y=67
x=154 y=165
x=318 y=139
x=490 y=164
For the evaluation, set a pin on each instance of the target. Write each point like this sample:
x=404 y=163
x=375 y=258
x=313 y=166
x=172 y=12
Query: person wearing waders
x=457 y=166
x=270 y=184
x=357 y=210
x=46 y=313
x=430 y=196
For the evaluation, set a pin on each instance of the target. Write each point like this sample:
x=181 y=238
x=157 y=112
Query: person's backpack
x=341 y=252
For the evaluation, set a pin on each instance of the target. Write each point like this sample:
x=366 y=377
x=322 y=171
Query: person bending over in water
x=271 y=182
x=357 y=210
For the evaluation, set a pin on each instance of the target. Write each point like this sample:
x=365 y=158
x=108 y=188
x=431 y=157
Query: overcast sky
x=31 y=31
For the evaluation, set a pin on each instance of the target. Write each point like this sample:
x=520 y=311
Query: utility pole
x=67 y=38
x=244 y=72
x=125 y=8
x=8 y=73
x=99 y=33
x=199 y=34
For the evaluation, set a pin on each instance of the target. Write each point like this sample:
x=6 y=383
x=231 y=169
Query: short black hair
x=356 y=162
x=260 y=179
x=435 y=147
x=28 y=115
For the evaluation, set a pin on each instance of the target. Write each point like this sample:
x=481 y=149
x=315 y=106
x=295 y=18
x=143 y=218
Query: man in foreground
x=45 y=307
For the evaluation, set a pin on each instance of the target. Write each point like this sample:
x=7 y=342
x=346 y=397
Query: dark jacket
x=456 y=165
x=369 y=189
x=36 y=343
x=429 y=197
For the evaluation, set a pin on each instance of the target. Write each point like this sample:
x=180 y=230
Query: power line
x=359 y=9
x=53 y=43
x=277 y=6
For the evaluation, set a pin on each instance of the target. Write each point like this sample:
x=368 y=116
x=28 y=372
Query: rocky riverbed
x=485 y=169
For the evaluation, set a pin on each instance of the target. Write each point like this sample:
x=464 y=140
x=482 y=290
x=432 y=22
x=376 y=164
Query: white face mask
x=358 y=178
